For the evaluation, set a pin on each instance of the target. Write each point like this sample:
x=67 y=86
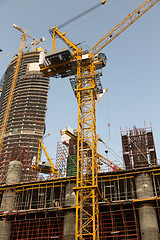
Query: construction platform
x=38 y=209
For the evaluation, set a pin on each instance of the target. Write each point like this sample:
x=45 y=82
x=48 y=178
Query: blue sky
x=132 y=73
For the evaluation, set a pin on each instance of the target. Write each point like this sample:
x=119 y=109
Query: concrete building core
x=26 y=123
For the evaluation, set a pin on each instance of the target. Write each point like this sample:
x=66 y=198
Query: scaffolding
x=37 y=226
x=119 y=222
x=138 y=148
x=38 y=208
x=114 y=186
x=24 y=156
x=26 y=122
x=61 y=158
x=66 y=159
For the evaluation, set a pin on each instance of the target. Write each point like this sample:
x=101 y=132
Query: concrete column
x=69 y=226
x=14 y=172
x=13 y=176
x=147 y=212
x=5 y=230
x=9 y=197
x=70 y=216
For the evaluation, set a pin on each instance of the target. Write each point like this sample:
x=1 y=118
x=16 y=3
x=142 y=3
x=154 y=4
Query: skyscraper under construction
x=126 y=198
x=26 y=122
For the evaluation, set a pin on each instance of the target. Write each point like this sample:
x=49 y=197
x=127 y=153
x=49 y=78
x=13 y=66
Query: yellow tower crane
x=86 y=85
x=14 y=81
x=43 y=168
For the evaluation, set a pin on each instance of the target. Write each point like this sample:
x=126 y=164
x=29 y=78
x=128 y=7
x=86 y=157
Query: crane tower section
x=87 y=188
x=86 y=85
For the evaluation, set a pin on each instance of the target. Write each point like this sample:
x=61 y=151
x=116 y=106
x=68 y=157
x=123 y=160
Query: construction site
x=83 y=195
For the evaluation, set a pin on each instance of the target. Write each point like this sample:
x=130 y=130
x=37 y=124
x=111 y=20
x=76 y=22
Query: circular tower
x=26 y=122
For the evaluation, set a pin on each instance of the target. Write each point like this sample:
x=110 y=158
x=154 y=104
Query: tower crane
x=43 y=168
x=14 y=81
x=34 y=43
x=72 y=61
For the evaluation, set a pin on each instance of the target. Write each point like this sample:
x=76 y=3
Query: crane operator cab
x=100 y=60
x=59 y=63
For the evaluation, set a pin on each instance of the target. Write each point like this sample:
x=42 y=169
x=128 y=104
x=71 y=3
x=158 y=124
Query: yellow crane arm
x=107 y=161
x=54 y=170
x=123 y=25
x=22 y=31
x=55 y=32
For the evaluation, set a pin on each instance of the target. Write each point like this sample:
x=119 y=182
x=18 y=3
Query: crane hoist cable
x=65 y=122
x=111 y=151
x=95 y=15
x=79 y=16
x=8 y=54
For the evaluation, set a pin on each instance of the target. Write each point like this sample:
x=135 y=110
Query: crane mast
x=87 y=213
x=86 y=86
x=11 y=94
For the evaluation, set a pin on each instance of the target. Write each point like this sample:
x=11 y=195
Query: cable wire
x=80 y=15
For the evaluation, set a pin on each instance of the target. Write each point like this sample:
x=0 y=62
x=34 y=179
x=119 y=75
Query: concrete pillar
x=70 y=216
x=8 y=201
x=9 y=197
x=147 y=212
x=70 y=196
x=13 y=176
x=5 y=230
x=14 y=172
x=69 y=226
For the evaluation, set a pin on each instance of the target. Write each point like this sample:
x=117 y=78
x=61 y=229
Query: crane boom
x=42 y=168
x=22 y=31
x=122 y=26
